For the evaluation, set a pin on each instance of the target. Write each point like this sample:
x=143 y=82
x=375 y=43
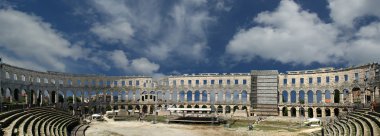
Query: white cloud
x=289 y=35
x=113 y=32
x=25 y=38
x=366 y=46
x=166 y=31
x=135 y=66
x=292 y=35
x=144 y=66
x=344 y=12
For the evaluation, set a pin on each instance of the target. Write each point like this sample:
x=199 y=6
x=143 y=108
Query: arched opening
x=301 y=97
x=213 y=109
x=228 y=109
x=204 y=96
x=212 y=96
x=16 y=95
x=356 y=94
x=310 y=96
x=336 y=96
x=293 y=112
x=189 y=96
x=244 y=97
x=220 y=96
x=174 y=96
x=181 y=106
x=293 y=96
x=115 y=96
x=52 y=96
x=327 y=96
x=236 y=108
x=182 y=96
x=319 y=112
x=284 y=111
x=284 y=96
x=302 y=112
x=336 y=112
x=123 y=96
x=196 y=96
x=319 y=96
x=327 y=112
x=152 y=109
x=310 y=112
x=235 y=97
x=145 y=109
x=220 y=109
x=46 y=97
x=228 y=97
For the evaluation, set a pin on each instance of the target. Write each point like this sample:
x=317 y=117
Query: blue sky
x=150 y=37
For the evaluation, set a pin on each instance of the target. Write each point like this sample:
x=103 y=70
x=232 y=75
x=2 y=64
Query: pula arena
x=324 y=92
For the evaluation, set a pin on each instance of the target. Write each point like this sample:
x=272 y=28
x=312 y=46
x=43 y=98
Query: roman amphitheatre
x=324 y=101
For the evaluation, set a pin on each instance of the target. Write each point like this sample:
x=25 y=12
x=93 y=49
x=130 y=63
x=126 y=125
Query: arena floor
x=135 y=128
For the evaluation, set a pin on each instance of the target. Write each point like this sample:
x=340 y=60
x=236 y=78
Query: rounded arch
x=327 y=96
x=228 y=109
x=228 y=97
x=301 y=97
x=244 y=97
x=336 y=112
x=310 y=96
x=220 y=96
x=336 y=96
x=302 y=112
x=196 y=96
x=284 y=111
x=293 y=112
x=16 y=95
x=356 y=95
x=327 y=112
x=310 y=112
x=293 y=96
x=220 y=109
x=212 y=96
x=285 y=96
x=182 y=96
x=235 y=97
x=189 y=96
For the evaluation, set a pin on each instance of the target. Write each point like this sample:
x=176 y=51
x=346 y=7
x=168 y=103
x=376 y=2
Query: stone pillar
x=341 y=97
x=192 y=97
x=289 y=111
x=216 y=97
x=323 y=110
x=323 y=97
x=112 y=100
x=239 y=98
x=119 y=96
x=133 y=109
x=314 y=112
x=224 y=109
x=315 y=97
x=200 y=97
x=297 y=111
x=306 y=98
x=248 y=99
x=208 y=98
x=280 y=111
x=297 y=97
x=280 y=99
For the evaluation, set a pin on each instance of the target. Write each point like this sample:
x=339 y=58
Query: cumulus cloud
x=345 y=12
x=289 y=35
x=25 y=38
x=293 y=35
x=135 y=66
x=161 y=30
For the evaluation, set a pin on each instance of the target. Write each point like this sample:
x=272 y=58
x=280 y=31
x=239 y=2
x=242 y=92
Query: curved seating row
x=357 y=123
x=44 y=121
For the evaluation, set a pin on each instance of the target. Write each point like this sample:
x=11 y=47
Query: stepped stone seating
x=374 y=128
x=44 y=121
x=358 y=123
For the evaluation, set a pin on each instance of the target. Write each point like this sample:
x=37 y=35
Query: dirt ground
x=135 y=128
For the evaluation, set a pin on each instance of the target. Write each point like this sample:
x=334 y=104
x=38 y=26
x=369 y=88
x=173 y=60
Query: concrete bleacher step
x=374 y=128
x=343 y=127
x=24 y=125
x=351 y=128
x=3 y=115
x=339 y=129
x=358 y=129
x=13 y=127
x=50 y=127
x=365 y=128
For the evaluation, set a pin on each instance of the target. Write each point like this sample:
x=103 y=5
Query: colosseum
x=344 y=99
